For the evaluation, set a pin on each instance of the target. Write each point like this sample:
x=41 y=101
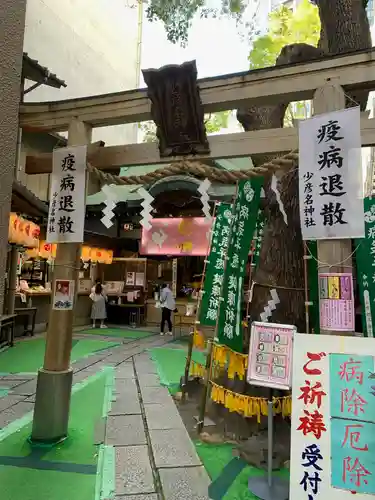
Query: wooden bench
x=7 y=322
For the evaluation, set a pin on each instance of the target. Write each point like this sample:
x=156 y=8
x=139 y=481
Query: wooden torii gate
x=324 y=81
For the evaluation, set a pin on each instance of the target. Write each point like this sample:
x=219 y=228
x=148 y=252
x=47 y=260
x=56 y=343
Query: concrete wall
x=34 y=143
x=12 y=17
x=82 y=312
x=92 y=45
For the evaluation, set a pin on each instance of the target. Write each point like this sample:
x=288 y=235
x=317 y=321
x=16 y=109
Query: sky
x=214 y=43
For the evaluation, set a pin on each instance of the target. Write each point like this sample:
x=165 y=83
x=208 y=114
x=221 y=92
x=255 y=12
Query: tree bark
x=345 y=25
x=345 y=28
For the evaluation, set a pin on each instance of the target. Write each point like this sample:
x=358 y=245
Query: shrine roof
x=32 y=70
x=25 y=202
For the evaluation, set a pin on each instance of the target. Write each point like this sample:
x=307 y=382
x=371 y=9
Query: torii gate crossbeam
x=292 y=82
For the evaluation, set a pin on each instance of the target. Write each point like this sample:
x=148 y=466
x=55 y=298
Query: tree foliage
x=286 y=27
x=213 y=122
x=177 y=15
x=216 y=121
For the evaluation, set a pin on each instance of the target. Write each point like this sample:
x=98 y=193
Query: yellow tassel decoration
x=219 y=355
x=199 y=340
x=237 y=365
x=197 y=369
x=249 y=406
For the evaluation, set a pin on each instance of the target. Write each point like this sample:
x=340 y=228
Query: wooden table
x=7 y=322
x=114 y=312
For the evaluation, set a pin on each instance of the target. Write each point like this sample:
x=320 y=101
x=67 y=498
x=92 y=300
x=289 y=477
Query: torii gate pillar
x=331 y=97
x=52 y=402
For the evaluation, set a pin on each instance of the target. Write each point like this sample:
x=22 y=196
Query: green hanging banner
x=365 y=258
x=245 y=216
x=214 y=277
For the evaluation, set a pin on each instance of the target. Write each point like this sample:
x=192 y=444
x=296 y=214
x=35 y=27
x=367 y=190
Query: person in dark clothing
x=168 y=305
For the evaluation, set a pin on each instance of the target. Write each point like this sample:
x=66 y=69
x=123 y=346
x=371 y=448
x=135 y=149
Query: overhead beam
x=259 y=142
x=266 y=86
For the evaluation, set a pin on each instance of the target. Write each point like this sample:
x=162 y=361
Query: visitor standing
x=99 y=282
x=98 y=310
x=168 y=304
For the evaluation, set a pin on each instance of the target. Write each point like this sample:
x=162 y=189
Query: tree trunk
x=345 y=28
x=345 y=25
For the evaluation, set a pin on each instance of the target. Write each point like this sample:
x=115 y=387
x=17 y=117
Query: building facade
x=12 y=18
x=94 y=46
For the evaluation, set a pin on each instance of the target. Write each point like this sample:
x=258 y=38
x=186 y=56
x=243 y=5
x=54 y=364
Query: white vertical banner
x=66 y=218
x=330 y=176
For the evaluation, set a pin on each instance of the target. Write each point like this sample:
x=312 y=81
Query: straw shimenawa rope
x=285 y=162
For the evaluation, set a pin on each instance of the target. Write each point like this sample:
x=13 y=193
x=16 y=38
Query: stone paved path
x=154 y=456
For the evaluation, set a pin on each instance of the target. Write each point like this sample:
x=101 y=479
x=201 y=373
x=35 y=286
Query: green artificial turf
x=86 y=411
x=215 y=458
x=27 y=356
x=170 y=364
x=32 y=483
x=117 y=332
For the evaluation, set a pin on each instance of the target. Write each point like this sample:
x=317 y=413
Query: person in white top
x=99 y=309
x=99 y=282
x=168 y=304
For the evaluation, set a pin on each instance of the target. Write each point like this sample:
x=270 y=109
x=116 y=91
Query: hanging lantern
x=32 y=253
x=108 y=258
x=86 y=253
x=23 y=232
x=47 y=250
